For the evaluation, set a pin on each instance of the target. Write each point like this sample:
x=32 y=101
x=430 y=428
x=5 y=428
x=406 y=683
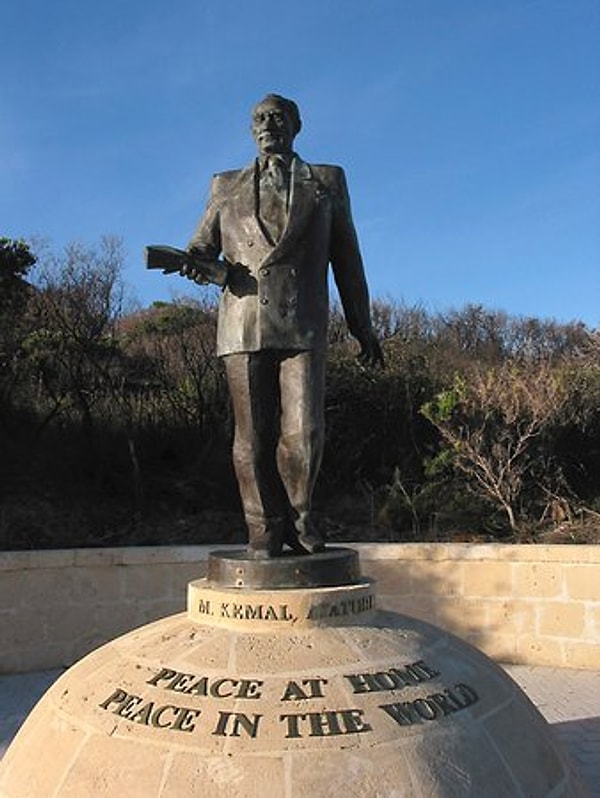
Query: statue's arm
x=349 y=274
x=205 y=245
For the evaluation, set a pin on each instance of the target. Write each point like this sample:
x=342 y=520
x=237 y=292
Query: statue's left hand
x=370 y=350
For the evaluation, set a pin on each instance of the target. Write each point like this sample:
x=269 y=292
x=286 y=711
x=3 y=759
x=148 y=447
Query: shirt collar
x=285 y=159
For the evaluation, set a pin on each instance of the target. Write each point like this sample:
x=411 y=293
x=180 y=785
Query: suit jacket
x=276 y=293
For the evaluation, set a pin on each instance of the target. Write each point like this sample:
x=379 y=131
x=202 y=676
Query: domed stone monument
x=284 y=680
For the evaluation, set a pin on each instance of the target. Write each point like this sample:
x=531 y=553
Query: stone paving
x=568 y=699
x=18 y=695
x=570 y=702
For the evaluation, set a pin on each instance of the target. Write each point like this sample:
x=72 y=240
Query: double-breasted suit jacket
x=276 y=291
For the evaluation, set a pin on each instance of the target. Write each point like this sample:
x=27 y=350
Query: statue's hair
x=289 y=106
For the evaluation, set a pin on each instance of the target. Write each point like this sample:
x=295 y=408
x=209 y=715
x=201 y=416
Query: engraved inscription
x=432 y=707
x=245 y=612
x=325 y=724
x=203 y=686
x=232 y=724
x=149 y=713
x=392 y=679
x=307 y=688
x=220 y=722
x=343 y=608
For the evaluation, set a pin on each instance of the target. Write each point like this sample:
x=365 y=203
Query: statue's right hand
x=193 y=272
x=204 y=272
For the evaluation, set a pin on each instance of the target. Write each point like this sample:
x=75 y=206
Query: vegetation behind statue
x=116 y=425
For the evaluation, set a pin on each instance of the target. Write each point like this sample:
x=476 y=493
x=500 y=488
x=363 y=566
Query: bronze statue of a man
x=267 y=237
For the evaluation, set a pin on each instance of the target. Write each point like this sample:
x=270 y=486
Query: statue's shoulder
x=224 y=184
x=331 y=177
x=223 y=181
x=327 y=171
x=229 y=175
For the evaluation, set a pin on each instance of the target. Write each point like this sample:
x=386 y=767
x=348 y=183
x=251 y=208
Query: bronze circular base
x=333 y=567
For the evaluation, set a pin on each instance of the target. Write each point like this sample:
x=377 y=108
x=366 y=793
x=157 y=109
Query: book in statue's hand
x=171 y=260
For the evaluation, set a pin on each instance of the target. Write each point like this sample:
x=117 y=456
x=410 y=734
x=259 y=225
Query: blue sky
x=469 y=131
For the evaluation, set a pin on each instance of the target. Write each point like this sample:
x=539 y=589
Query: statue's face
x=272 y=128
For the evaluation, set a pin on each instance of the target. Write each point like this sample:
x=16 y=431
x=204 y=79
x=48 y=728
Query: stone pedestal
x=293 y=691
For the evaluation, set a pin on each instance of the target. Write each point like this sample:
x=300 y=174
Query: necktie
x=273 y=196
x=276 y=169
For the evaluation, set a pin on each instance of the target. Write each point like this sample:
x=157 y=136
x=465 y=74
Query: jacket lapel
x=302 y=203
x=303 y=192
x=244 y=203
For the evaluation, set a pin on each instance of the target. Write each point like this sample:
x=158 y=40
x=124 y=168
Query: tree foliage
x=16 y=259
x=71 y=346
x=496 y=422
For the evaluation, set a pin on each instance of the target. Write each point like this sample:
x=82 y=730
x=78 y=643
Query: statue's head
x=275 y=123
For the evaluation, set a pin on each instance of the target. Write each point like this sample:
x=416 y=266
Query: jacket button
x=293 y=272
x=264 y=300
x=250 y=242
x=263 y=272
